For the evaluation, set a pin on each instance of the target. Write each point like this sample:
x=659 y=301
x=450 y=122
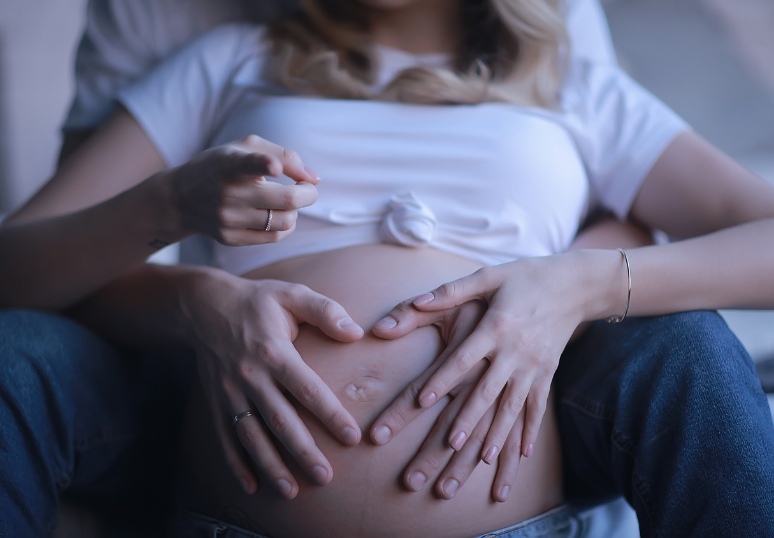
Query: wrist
x=159 y=195
x=604 y=280
x=193 y=288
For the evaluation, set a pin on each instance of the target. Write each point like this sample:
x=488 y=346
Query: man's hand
x=243 y=333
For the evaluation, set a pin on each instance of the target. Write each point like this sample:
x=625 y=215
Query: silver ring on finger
x=268 y=222
x=242 y=415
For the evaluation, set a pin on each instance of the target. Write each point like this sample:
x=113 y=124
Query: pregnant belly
x=366 y=497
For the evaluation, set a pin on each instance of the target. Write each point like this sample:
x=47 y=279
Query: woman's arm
x=99 y=216
x=535 y=304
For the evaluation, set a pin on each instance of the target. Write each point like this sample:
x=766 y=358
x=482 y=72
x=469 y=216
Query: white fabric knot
x=408 y=222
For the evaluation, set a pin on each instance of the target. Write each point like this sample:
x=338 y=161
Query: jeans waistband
x=556 y=523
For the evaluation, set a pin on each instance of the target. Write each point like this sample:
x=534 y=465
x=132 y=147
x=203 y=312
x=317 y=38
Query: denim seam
x=587 y=407
x=642 y=492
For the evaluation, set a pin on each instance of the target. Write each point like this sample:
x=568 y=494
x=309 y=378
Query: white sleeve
x=124 y=39
x=620 y=129
x=589 y=32
x=182 y=101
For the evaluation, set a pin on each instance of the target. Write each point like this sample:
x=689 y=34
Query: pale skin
x=103 y=183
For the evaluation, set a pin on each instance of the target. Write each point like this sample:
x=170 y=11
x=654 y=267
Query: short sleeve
x=620 y=130
x=124 y=39
x=183 y=100
x=589 y=32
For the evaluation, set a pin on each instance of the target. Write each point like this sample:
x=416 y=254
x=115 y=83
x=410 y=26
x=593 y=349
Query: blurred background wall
x=711 y=60
x=37 y=46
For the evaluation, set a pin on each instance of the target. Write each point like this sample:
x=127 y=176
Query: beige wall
x=37 y=44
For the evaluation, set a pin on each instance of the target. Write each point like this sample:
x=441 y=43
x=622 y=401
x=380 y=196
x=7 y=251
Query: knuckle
x=514 y=404
x=308 y=394
x=290 y=198
x=433 y=462
x=465 y=361
x=491 y=390
x=279 y=423
x=245 y=371
x=249 y=439
x=397 y=418
x=306 y=454
x=290 y=155
x=251 y=140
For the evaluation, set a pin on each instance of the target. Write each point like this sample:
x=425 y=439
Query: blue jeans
x=668 y=412
x=81 y=415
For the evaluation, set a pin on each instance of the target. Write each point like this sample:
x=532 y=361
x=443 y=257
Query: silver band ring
x=268 y=222
x=242 y=415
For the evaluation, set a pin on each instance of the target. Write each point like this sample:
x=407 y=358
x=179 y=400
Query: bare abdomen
x=366 y=497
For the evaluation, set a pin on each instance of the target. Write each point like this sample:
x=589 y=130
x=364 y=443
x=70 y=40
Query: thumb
x=325 y=314
x=403 y=319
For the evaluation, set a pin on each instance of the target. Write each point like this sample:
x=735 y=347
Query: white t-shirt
x=124 y=39
x=493 y=182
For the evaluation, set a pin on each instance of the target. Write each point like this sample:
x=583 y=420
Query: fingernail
x=505 y=491
x=528 y=452
x=349 y=325
x=424 y=299
x=458 y=441
x=245 y=485
x=450 y=487
x=284 y=487
x=312 y=173
x=490 y=455
x=385 y=323
x=428 y=400
x=382 y=434
x=416 y=480
x=320 y=474
x=349 y=435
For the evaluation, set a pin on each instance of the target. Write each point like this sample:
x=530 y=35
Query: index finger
x=312 y=392
x=289 y=161
x=476 y=286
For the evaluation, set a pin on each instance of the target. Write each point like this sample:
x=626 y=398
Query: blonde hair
x=510 y=52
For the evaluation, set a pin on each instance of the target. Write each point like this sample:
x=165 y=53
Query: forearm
x=52 y=263
x=146 y=307
x=731 y=268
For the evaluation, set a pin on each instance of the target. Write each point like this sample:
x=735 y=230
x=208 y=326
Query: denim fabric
x=668 y=411
x=557 y=523
x=79 y=414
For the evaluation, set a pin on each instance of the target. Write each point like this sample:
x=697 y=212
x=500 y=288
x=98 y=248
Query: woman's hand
x=534 y=305
x=222 y=192
x=243 y=332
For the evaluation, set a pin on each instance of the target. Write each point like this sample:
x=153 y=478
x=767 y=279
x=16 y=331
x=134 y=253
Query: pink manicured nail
x=505 y=491
x=382 y=434
x=245 y=485
x=424 y=299
x=312 y=173
x=490 y=455
x=459 y=441
x=284 y=487
x=528 y=452
x=428 y=400
x=416 y=480
x=387 y=322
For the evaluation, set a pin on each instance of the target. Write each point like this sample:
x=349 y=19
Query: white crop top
x=493 y=182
